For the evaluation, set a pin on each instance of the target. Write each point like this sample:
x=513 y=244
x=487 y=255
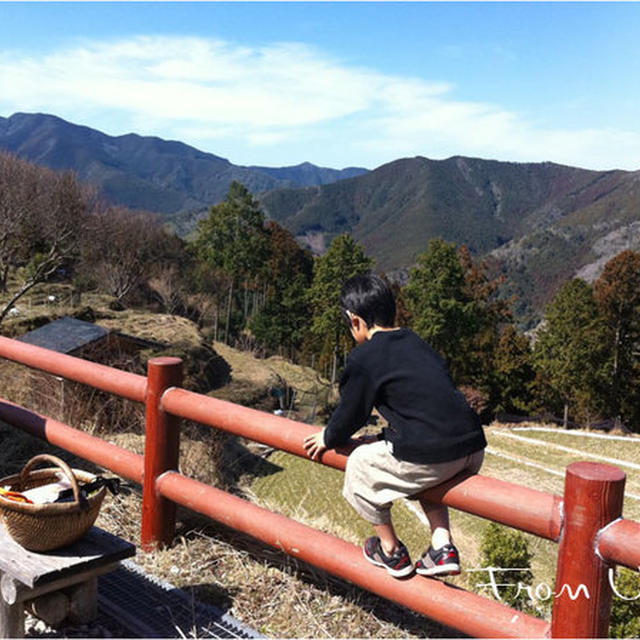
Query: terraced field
x=534 y=456
x=548 y=452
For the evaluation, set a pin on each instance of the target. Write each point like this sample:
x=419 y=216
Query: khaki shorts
x=374 y=478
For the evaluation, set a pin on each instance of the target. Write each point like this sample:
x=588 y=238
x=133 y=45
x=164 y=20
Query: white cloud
x=283 y=98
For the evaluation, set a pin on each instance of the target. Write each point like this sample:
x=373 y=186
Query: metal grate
x=148 y=607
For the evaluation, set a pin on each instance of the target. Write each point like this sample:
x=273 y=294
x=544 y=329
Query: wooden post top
x=596 y=471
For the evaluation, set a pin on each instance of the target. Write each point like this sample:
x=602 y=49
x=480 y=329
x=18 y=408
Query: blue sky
x=338 y=84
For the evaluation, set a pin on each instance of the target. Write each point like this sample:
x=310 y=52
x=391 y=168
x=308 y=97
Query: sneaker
x=439 y=562
x=398 y=564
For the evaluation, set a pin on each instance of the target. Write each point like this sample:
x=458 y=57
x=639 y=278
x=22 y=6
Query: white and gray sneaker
x=439 y=562
x=398 y=564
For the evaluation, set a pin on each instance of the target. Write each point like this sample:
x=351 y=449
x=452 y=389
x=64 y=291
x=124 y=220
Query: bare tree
x=44 y=216
x=123 y=248
x=19 y=199
x=168 y=283
x=209 y=286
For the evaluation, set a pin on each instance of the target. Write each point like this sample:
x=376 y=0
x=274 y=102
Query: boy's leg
x=388 y=538
x=438 y=517
x=364 y=489
x=441 y=558
x=385 y=550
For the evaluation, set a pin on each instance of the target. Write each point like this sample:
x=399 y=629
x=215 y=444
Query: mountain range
x=537 y=223
x=144 y=172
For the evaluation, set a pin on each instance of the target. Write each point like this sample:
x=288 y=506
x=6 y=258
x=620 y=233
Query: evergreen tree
x=514 y=373
x=617 y=293
x=329 y=331
x=444 y=312
x=480 y=348
x=569 y=351
x=281 y=321
x=232 y=240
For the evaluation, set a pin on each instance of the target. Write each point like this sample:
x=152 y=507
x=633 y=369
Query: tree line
x=247 y=282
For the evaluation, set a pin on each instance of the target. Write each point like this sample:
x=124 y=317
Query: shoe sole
x=441 y=570
x=396 y=573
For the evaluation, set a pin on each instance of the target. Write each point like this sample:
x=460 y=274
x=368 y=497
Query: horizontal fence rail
x=460 y=609
x=125 y=463
x=511 y=504
x=121 y=383
x=620 y=543
x=591 y=489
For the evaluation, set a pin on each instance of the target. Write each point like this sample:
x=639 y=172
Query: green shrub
x=503 y=550
x=625 y=610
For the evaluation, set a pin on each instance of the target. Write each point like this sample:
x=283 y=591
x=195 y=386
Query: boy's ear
x=356 y=321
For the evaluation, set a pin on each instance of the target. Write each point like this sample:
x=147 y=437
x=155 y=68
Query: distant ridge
x=140 y=172
x=307 y=174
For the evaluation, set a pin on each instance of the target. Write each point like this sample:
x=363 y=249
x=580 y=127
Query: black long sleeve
x=408 y=382
x=357 y=397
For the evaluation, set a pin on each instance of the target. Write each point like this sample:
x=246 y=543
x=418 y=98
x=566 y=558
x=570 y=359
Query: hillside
x=276 y=594
x=145 y=172
x=539 y=224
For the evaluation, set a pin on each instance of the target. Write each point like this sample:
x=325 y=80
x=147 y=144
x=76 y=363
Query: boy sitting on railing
x=432 y=433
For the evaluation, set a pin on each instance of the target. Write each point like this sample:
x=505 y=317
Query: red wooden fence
x=586 y=521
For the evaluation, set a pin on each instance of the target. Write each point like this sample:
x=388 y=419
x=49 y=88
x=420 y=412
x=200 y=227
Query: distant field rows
x=583 y=434
x=621 y=448
x=583 y=452
x=535 y=465
x=527 y=463
x=545 y=452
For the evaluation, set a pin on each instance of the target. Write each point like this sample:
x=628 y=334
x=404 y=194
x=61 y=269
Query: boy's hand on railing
x=314 y=444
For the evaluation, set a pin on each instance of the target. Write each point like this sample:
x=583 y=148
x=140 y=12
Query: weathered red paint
x=620 y=543
x=120 y=383
x=593 y=498
x=122 y=462
x=467 y=612
x=161 y=451
x=511 y=504
x=258 y=426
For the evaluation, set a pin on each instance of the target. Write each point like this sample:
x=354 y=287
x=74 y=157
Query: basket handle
x=45 y=457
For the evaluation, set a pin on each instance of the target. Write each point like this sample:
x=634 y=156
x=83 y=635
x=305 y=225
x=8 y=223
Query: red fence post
x=593 y=498
x=161 y=452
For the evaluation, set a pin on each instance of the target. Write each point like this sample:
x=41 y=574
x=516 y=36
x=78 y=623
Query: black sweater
x=408 y=382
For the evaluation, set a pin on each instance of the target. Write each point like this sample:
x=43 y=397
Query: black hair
x=369 y=297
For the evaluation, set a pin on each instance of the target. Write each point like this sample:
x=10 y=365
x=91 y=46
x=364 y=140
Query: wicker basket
x=43 y=527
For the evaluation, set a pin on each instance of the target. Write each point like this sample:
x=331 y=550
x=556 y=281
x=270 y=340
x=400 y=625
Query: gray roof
x=65 y=335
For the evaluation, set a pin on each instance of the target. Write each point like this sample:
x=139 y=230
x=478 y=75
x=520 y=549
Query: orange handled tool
x=14 y=495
